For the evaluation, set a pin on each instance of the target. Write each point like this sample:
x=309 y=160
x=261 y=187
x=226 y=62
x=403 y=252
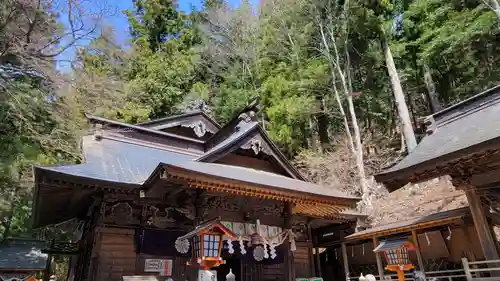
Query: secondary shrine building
x=167 y=196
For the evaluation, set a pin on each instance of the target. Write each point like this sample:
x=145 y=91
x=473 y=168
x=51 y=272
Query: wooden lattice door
x=251 y=271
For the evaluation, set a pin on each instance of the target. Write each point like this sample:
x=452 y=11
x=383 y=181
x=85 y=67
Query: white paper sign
x=207 y=275
x=151 y=265
x=164 y=267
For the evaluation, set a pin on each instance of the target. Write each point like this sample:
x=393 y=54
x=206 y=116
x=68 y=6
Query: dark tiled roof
x=118 y=161
x=472 y=122
x=407 y=225
x=207 y=226
x=101 y=120
x=258 y=177
x=22 y=255
x=390 y=245
x=242 y=130
x=169 y=119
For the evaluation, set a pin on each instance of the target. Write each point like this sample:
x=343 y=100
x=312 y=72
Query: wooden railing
x=476 y=270
x=441 y=275
x=471 y=271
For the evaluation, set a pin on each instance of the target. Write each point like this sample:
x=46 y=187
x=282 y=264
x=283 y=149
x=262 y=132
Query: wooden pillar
x=488 y=244
x=419 y=254
x=47 y=271
x=469 y=253
x=380 y=265
x=344 y=258
x=199 y=207
x=289 y=260
x=310 y=245
x=318 y=262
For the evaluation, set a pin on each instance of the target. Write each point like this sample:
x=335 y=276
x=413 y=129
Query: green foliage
x=225 y=57
x=455 y=40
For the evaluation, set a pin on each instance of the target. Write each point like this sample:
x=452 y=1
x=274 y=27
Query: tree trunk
x=358 y=147
x=409 y=135
x=496 y=8
x=322 y=120
x=313 y=140
x=432 y=96
x=357 y=142
x=336 y=93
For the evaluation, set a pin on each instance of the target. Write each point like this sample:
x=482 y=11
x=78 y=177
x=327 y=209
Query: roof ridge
x=139 y=128
x=489 y=93
x=252 y=106
x=443 y=121
x=214 y=149
x=173 y=117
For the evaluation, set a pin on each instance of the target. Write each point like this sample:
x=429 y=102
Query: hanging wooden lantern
x=206 y=243
x=396 y=255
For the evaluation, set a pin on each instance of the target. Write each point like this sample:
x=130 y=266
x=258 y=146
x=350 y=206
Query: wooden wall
x=249 y=162
x=302 y=260
x=273 y=272
x=437 y=245
x=114 y=254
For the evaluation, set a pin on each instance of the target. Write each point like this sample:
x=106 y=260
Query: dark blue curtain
x=161 y=243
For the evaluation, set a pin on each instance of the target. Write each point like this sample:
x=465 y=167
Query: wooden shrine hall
x=170 y=196
x=462 y=141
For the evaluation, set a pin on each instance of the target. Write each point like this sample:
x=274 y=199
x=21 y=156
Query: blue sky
x=120 y=24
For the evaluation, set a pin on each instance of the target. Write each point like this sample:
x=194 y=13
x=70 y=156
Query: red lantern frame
x=204 y=239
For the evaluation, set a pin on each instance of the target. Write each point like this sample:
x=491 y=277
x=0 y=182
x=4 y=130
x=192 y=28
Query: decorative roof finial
x=249 y=113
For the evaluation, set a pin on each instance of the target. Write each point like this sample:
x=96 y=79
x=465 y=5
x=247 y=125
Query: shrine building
x=169 y=197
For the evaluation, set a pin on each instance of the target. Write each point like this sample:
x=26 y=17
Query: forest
x=343 y=84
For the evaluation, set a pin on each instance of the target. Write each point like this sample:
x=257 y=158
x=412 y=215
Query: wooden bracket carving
x=248 y=116
x=163 y=174
x=199 y=127
x=121 y=213
x=257 y=144
x=461 y=182
x=161 y=218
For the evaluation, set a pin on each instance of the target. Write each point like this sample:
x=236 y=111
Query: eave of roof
x=208 y=225
x=250 y=182
x=180 y=116
x=141 y=129
x=423 y=222
x=462 y=131
x=231 y=143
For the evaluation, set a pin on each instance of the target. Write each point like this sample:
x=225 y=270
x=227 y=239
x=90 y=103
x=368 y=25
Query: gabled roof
x=266 y=181
x=100 y=120
x=454 y=133
x=207 y=226
x=245 y=133
x=117 y=161
x=128 y=163
x=391 y=244
x=424 y=222
x=242 y=130
x=170 y=121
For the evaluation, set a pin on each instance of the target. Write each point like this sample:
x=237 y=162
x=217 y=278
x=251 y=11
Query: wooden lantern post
x=206 y=243
x=396 y=254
